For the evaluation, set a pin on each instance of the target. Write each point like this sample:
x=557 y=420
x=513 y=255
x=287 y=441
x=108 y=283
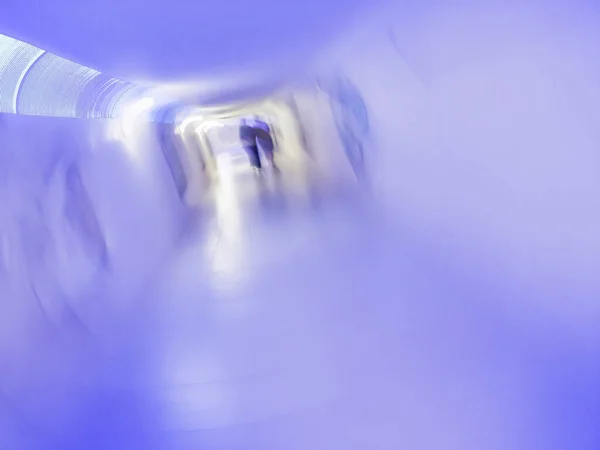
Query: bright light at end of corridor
x=186 y=122
x=144 y=104
x=128 y=123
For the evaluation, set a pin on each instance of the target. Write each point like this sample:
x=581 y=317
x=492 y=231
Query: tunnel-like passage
x=433 y=285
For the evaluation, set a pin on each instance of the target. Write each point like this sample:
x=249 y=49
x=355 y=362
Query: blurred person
x=264 y=140
x=249 y=142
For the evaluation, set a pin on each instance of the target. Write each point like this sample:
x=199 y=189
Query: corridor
x=423 y=274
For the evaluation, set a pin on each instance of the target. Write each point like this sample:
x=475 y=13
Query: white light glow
x=141 y=105
x=187 y=121
x=131 y=115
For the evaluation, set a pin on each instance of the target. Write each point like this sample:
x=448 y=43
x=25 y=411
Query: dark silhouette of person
x=264 y=140
x=249 y=142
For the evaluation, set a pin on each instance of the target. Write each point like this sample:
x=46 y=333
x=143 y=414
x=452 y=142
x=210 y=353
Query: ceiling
x=180 y=41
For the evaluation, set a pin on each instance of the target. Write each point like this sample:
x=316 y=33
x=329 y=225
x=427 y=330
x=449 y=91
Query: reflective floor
x=284 y=322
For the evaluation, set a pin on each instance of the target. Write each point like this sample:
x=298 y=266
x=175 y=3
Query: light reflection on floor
x=227 y=257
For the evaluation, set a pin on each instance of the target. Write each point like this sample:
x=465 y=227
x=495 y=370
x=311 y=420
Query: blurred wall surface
x=86 y=218
x=485 y=118
x=321 y=133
